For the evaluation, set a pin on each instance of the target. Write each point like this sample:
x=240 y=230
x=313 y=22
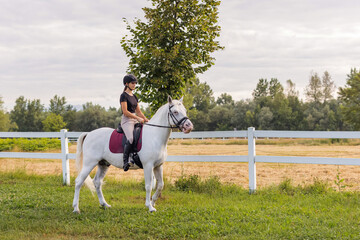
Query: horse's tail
x=79 y=157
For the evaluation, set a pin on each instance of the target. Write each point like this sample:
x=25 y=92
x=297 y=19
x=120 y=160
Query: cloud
x=62 y=47
x=72 y=48
x=284 y=40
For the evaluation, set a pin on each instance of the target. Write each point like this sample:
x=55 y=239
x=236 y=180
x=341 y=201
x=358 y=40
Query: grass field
x=200 y=200
x=39 y=207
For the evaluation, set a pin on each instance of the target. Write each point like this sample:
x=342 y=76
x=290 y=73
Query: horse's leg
x=158 y=172
x=98 y=181
x=148 y=175
x=84 y=173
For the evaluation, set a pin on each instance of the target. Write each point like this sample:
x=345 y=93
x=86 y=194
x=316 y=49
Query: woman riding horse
x=131 y=114
x=93 y=147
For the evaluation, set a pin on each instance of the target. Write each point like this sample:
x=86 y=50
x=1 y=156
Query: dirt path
x=237 y=173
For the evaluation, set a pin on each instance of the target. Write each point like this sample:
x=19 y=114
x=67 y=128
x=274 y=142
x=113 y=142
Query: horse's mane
x=158 y=112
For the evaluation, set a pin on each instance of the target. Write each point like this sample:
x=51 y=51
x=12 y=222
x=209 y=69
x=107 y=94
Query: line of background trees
x=272 y=106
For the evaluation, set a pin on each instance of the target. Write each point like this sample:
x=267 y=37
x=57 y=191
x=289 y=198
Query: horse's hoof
x=105 y=206
x=76 y=211
x=152 y=210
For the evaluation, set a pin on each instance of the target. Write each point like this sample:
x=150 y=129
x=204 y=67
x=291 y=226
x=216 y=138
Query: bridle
x=178 y=123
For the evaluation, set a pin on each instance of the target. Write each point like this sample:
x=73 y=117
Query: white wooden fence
x=251 y=158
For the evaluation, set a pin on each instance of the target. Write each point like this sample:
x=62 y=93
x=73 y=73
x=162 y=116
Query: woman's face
x=132 y=85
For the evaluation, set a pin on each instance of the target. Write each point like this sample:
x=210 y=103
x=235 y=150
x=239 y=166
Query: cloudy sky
x=72 y=48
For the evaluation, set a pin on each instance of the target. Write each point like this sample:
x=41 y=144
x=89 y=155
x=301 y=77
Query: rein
x=154 y=125
x=178 y=123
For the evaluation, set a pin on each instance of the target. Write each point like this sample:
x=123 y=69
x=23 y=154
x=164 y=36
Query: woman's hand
x=141 y=120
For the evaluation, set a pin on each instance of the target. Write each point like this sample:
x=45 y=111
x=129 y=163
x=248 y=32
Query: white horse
x=94 y=148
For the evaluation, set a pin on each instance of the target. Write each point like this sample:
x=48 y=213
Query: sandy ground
x=237 y=173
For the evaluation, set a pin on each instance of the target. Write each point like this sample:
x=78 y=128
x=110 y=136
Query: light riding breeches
x=127 y=125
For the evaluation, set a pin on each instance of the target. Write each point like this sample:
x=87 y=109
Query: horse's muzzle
x=187 y=126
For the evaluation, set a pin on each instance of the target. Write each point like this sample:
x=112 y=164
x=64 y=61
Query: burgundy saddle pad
x=116 y=143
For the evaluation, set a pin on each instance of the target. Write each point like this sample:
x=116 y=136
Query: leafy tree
x=199 y=100
x=279 y=109
x=18 y=114
x=113 y=117
x=275 y=88
x=296 y=105
x=282 y=112
x=4 y=118
x=57 y=105
x=262 y=89
x=271 y=100
x=337 y=122
x=350 y=97
x=225 y=99
x=173 y=46
x=35 y=115
x=243 y=116
x=321 y=112
x=291 y=89
x=250 y=118
x=328 y=86
x=202 y=94
x=27 y=115
x=328 y=122
x=69 y=117
x=265 y=118
x=53 y=123
x=323 y=117
x=297 y=113
x=66 y=111
x=313 y=115
x=95 y=116
x=266 y=90
x=220 y=118
x=200 y=120
x=313 y=90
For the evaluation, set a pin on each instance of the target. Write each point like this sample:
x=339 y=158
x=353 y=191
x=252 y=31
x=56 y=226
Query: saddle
x=118 y=140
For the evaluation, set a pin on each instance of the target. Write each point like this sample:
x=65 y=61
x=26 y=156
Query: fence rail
x=251 y=158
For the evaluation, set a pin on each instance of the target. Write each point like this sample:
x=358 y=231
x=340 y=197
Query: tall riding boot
x=127 y=149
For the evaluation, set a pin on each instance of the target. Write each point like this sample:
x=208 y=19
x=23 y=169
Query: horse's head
x=178 y=117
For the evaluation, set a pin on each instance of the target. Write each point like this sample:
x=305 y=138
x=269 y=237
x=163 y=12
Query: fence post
x=64 y=158
x=251 y=159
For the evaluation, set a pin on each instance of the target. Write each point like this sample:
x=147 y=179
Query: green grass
x=39 y=207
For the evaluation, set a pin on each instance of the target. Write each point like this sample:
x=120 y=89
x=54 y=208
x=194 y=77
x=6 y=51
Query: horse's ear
x=181 y=99
x=169 y=99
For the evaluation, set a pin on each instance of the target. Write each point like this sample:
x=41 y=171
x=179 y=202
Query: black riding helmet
x=129 y=78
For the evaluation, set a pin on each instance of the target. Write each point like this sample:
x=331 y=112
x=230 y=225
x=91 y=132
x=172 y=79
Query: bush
x=188 y=183
x=193 y=183
x=317 y=187
x=287 y=187
x=6 y=144
x=30 y=145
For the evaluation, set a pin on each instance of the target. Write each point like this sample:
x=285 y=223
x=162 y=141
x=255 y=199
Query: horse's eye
x=176 y=112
